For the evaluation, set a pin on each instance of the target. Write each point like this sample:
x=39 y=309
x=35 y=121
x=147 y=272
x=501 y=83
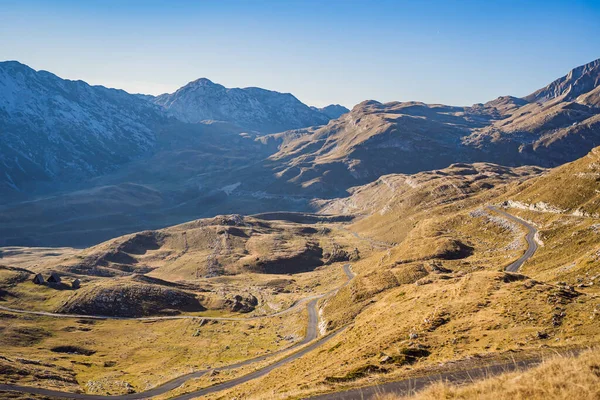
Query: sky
x=438 y=51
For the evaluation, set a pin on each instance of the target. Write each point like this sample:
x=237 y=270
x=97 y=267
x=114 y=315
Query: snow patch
x=230 y=188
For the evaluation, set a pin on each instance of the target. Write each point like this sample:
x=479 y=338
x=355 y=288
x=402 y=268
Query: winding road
x=311 y=335
x=412 y=385
x=399 y=387
x=532 y=246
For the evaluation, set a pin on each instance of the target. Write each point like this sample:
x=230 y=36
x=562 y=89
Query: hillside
x=252 y=109
x=57 y=129
x=199 y=265
x=429 y=296
x=554 y=125
x=571 y=189
x=432 y=298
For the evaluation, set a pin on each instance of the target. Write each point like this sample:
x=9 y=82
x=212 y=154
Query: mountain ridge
x=205 y=169
x=42 y=116
x=250 y=108
x=376 y=138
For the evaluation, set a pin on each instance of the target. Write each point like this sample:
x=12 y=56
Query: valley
x=236 y=243
x=217 y=165
x=429 y=293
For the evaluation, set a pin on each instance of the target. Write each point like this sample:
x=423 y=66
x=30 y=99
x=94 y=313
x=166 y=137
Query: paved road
x=412 y=385
x=409 y=386
x=311 y=335
x=530 y=238
x=400 y=387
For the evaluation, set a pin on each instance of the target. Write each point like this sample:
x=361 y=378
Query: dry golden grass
x=560 y=378
x=415 y=295
x=429 y=280
x=214 y=259
x=132 y=354
x=571 y=188
x=137 y=355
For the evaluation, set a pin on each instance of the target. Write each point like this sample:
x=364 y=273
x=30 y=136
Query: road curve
x=409 y=386
x=311 y=335
x=532 y=246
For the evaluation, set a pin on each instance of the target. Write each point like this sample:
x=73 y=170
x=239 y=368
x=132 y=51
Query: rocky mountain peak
x=578 y=81
x=201 y=82
x=252 y=109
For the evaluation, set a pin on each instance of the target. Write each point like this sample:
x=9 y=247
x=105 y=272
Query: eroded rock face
x=242 y=304
x=131 y=300
x=306 y=259
x=338 y=254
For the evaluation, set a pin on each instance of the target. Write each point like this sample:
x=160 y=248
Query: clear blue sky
x=452 y=52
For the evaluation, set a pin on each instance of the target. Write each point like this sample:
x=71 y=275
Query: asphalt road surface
x=530 y=238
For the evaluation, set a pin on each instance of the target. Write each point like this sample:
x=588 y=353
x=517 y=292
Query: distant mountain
x=373 y=139
x=552 y=126
x=143 y=168
x=578 y=81
x=252 y=109
x=53 y=128
x=333 y=111
x=57 y=130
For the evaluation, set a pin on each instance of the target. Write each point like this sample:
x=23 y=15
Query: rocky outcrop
x=241 y=304
x=578 y=81
x=303 y=260
x=130 y=300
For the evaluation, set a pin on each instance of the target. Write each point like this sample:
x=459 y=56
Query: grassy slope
x=133 y=355
x=418 y=289
x=213 y=259
x=412 y=296
x=556 y=378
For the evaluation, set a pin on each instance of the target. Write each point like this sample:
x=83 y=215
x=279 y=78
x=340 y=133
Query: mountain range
x=61 y=130
x=253 y=109
x=207 y=150
x=554 y=125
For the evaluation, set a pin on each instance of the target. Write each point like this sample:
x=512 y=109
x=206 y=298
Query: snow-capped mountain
x=253 y=109
x=54 y=128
